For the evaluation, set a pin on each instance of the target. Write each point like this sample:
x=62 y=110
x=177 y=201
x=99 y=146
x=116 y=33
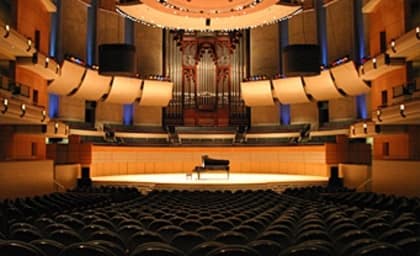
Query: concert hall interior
x=297 y=104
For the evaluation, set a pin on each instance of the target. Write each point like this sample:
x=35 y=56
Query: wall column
x=359 y=54
x=322 y=31
x=284 y=41
x=91 y=33
x=128 y=109
x=54 y=52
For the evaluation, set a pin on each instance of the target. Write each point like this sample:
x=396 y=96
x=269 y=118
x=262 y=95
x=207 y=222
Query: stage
x=211 y=181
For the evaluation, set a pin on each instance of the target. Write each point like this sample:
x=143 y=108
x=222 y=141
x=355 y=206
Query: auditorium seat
x=19 y=248
x=409 y=246
x=209 y=231
x=65 y=236
x=106 y=235
x=231 y=237
x=169 y=231
x=204 y=248
x=49 y=247
x=116 y=249
x=24 y=234
x=378 y=249
x=234 y=250
x=250 y=232
x=143 y=237
x=306 y=250
x=393 y=236
x=266 y=247
x=156 y=249
x=186 y=240
x=85 y=249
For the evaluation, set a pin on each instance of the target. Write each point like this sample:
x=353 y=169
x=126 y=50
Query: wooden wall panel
x=264 y=50
x=340 y=27
x=343 y=109
x=386 y=82
x=310 y=160
x=109 y=113
x=71 y=109
x=265 y=115
x=35 y=82
x=147 y=116
x=302 y=28
x=26 y=178
x=396 y=177
x=304 y=113
x=67 y=175
x=398 y=146
x=32 y=16
x=355 y=175
x=388 y=17
x=28 y=146
x=149 y=54
x=74 y=28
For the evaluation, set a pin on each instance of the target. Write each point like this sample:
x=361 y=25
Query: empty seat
x=116 y=249
x=209 y=231
x=25 y=235
x=190 y=225
x=107 y=236
x=49 y=247
x=395 y=235
x=19 y=248
x=168 y=232
x=409 y=246
x=85 y=249
x=266 y=247
x=306 y=250
x=231 y=237
x=204 y=248
x=156 y=249
x=143 y=237
x=234 y=250
x=66 y=237
x=186 y=240
x=378 y=249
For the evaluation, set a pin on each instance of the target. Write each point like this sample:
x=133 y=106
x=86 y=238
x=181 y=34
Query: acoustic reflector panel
x=93 y=86
x=124 y=90
x=257 y=93
x=69 y=79
x=290 y=90
x=321 y=87
x=156 y=93
x=347 y=79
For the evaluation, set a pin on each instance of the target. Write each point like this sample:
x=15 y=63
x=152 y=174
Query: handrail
x=59 y=185
x=364 y=183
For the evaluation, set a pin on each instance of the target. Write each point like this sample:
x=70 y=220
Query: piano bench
x=200 y=169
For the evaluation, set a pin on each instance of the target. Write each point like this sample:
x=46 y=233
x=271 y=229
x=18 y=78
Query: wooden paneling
x=32 y=16
x=308 y=160
x=386 y=83
x=398 y=146
x=110 y=28
x=343 y=109
x=149 y=54
x=74 y=28
x=304 y=113
x=388 y=17
x=109 y=113
x=26 y=178
x=396 y=177
x=265 y=115
x=265 y=50
x=67 y=175
x=149 y=116
x=35 y=82
x=302 y=28
x=355 y=175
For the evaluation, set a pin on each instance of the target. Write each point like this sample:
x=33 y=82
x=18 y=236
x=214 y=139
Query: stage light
x=418 y=32
x=7 y=28
x=374 y=63
x=44 y=115
x=393 y=46
x=365 y=126
x=57 y=69
x=378 y=114
x=23 y=109
x=29 y=43
x=5 y=105
x=47 y=61
x=402 y=109
x=56 y=125
x=353 y=130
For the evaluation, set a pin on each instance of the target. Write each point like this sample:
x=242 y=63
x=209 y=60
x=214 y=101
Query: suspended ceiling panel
x=347 y=79
x=321 y=87
x=290 y=90
x=124 y=90
x=70 y=79
x=257 y=93
x=93 y=86
x=156 y=93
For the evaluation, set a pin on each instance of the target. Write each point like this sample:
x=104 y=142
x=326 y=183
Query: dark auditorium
x=209 y=128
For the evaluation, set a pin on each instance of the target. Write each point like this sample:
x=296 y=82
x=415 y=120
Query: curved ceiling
x=207 y=15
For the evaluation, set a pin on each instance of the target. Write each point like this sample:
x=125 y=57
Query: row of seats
x=215 y=223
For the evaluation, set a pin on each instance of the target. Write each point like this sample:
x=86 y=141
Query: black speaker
x=301 y=60
x=117 y=60
x=85 y=180
x=85 y=173
x=208 y=22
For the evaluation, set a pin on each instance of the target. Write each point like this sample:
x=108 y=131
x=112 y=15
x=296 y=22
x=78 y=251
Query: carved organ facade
x=206 y=68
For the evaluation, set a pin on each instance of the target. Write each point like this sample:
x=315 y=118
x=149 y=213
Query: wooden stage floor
x=211 y=181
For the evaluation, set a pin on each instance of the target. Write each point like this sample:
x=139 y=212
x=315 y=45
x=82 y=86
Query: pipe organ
x=206 y=69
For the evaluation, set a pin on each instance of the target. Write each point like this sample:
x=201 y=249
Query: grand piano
x=211 y=164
